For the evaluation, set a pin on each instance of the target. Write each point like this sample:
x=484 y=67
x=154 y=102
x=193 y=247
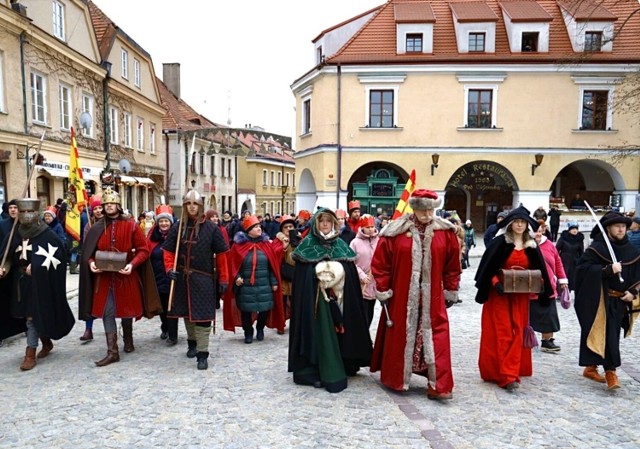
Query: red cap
x=424 y=193
x=96 y=200
x=340 y=213
x=249 y=222
x=50 y=210
x=304 y=214
x=367 y=220
x=355 y=204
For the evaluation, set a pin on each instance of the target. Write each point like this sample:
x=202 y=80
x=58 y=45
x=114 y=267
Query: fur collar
x=405 y=223
x=241 y=237
x=531 y=243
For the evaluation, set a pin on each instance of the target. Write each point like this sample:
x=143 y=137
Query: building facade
x=493 y=103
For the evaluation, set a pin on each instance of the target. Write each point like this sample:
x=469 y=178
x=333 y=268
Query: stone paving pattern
x=155 y=397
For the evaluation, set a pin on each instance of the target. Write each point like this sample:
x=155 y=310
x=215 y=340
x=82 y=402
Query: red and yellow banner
x=77 y=193
x=403 y=204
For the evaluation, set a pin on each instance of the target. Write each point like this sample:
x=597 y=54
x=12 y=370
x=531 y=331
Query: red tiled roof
x=104 y=28
x=586 y=10
x=179 y=115
x=418 y=12
x=525 y=11
x=473 y=12
x=375 y=42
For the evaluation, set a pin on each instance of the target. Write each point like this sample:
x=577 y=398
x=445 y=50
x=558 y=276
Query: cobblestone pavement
x=155 y=397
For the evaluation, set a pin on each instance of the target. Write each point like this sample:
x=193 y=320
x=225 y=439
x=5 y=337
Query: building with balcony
x=493 y=103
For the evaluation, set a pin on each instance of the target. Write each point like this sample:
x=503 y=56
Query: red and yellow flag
x=77 y=193
x=403 y=204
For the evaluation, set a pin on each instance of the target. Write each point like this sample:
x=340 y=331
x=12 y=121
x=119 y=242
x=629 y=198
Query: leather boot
x=192 y=351
x=612 y=380
x=47 y=346
x=202 y=360
x=112 y=350
x=29 y=359
x=127 y=335
x=73 y=268
x=591 y=372
x=87 y=336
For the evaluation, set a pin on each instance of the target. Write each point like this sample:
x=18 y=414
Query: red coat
x=397 y=266
x=230 y=312
x=127 y=289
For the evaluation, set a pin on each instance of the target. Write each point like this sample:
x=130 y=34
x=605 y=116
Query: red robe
x=230 y=313
x=127 y=289
x=419 y=314
x=503 y=357
x=354 y=225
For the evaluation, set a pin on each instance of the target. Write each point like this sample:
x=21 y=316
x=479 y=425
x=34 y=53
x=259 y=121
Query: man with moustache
x=606 y=297
x=354 y=216
x=418 y=342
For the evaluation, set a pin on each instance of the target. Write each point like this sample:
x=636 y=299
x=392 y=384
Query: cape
x=274 y=251
x=314 y=248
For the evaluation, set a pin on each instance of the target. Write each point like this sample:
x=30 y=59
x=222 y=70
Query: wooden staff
x=175 y=254
x=24 y=194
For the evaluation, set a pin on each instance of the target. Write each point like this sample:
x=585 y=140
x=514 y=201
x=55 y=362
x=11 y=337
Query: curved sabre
x=606 y=239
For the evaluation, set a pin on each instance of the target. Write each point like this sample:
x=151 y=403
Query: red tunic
x=421 y=323
x=503 y=357
x=127 y=289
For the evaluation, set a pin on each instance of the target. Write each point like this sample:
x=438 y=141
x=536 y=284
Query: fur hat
x=164 y=211
x=353 y=205
x=422 y=199
x=367 y=220
x=572 y=224
x=96 y=200
x=249 y=222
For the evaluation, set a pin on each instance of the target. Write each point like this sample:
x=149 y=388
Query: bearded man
x=127 y=293
x=38 y=294
x=606 y=297
x=354 y=216
x=202 y=249
x=418 y=342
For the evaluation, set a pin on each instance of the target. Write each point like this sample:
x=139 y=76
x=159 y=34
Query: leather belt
x=615 y=293
x=193 y=270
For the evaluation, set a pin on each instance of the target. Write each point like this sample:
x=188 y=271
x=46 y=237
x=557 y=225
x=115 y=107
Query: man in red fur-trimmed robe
x=417 y=271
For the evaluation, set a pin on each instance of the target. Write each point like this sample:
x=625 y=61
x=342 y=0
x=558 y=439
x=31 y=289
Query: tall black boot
x=192 y=352
x=202 y=360
x=127 y=335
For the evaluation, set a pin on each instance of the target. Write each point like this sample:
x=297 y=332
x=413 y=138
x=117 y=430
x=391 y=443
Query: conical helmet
x=192 y=196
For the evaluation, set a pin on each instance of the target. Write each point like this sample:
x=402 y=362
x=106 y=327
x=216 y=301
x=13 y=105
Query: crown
x=110 y=196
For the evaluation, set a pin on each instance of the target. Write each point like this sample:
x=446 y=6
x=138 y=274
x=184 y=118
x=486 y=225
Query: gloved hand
x=500 y=288
x=173 y=275
x=223 y=288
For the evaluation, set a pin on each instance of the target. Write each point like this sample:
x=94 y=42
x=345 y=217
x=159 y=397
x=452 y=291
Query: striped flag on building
x=403 y=204
x=77 y=192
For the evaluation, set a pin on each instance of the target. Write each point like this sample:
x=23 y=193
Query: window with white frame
x=136 y=72
x=58 y=19
x=286 y=207
x=125 y=64
x=87 y=106
x=264 y=207
x=596 y=112
x=306 y=116
x=381 y=100
x=279 y=179
x=287 y=177
x=229 y=167
x=38 y=98
x=212 y=163
x=272 y=211
x=202 y=163
x=126 y=129
x=481 y=100
x=2 y=106
x=152 y=138
x=64 y=100
x=222 y=166
x=264 y=178
x=140 y=134
x=279 y=207
x=273 y=178
x=293 y=178
x=113 y=125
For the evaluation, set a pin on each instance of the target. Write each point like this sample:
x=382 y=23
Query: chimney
x=171 y=77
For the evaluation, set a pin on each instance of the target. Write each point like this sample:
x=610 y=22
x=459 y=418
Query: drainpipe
x=107 y=128
x=166 y=144
x=339 y=141
x=24 y=96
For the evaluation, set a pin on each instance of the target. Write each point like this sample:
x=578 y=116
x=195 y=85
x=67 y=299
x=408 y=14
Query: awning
x=55 y=172
x=145 y=180
x=127 y=179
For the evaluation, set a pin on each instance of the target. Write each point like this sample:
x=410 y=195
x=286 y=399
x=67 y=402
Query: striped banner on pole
x=403 y=204
x=77 y=192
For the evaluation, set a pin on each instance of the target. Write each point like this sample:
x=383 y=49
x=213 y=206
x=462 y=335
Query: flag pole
x=175 y=254
x=24 y=194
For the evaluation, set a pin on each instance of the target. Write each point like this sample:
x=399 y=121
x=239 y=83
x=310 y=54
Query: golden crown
x=110 y=196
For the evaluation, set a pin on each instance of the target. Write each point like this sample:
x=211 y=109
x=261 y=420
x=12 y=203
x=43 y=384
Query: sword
x=606 y=238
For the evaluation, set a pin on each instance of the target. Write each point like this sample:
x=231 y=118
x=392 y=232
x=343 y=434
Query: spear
x=24 y=194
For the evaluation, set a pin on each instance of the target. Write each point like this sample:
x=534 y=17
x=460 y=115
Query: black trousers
x=247 y=322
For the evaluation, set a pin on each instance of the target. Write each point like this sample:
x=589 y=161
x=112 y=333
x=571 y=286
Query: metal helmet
x=192 y=196
x=110 y=196
x=28 y=209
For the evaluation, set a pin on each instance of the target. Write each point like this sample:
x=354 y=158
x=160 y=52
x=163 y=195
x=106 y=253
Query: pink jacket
x=364 y=247
x=554 y=264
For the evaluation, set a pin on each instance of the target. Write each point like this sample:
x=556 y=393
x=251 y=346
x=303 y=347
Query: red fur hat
x=422 y=199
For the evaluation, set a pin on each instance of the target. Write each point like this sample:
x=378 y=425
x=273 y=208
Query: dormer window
x=414 y=43
x=593 y=41
x=476 y=42
x=475 y=26
x=414 y=27
x=589 y=24
x=527 y=25
x=530 y=42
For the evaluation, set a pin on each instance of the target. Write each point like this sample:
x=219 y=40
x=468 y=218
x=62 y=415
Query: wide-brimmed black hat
x=608 y=219
x=521 y=213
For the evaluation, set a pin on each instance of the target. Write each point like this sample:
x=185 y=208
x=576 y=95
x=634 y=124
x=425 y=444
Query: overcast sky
x=241 y=55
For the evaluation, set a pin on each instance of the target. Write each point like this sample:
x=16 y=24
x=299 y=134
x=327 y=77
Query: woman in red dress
x=505 y=316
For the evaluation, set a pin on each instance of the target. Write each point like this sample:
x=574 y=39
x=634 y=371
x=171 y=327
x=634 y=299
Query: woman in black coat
x=570 y=246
